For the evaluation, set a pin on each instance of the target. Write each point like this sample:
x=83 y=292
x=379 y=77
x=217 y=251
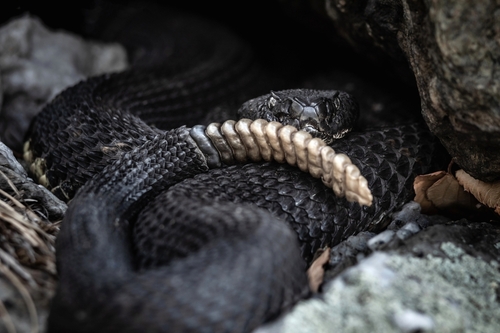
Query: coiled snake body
x=155 y=241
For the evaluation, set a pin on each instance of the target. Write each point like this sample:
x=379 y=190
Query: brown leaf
x=316 y=271
x=441 y=193
x=448 y=194
x=486 y=193
x=421 y=184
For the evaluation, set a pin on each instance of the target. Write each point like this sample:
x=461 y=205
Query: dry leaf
x=486 y=193
x=440 y=192
x=448 y=194
x=421 y=184
x=316 y=271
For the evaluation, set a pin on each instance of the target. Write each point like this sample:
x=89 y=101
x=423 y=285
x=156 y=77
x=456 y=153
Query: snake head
x=328 y=115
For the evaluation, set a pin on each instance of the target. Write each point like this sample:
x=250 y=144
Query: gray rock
x=8 y=160
x=409 y=321
x=410 y=212
x=440 y=279
x=380 y=240
x=391 y=292
x=408 y=230
x=405 y=223
x=36 y=64
x=13 y=174
x=451 y=48
x=348 y=253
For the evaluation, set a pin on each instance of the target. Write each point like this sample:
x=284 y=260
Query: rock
x=405 y=223
x=27 y=258
x=380 y=240
x=444 y=278
x=36 y=64
x=13 y=174
x=348 y=253
x=451 y=48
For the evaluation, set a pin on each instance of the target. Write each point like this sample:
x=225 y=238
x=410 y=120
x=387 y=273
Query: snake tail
x=259 y=140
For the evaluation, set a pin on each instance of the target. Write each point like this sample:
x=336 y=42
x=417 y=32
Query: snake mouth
x=311 y=129
x=341 y=134
x=327 y=137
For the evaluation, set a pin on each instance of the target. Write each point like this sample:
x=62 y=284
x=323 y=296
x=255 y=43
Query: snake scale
x=165 y=234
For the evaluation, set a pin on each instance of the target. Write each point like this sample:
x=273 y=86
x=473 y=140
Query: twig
x=16 y=202
x=11 y=184
x=7 y=319
x=17 y=221
x=25 y=295
x=14 y=264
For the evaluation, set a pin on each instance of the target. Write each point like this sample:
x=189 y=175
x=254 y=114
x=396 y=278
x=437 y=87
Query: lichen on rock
x=389 y=292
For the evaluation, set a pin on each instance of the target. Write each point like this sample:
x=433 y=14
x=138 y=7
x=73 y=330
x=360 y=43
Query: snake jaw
x=316 y=134
x=341 y=134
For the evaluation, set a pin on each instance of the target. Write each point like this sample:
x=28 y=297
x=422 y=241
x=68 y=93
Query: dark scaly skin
x=388 y=158
x=108 y=284
x=99 y=256
x=87 y=131
x=168 y=96
x=100 y=288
